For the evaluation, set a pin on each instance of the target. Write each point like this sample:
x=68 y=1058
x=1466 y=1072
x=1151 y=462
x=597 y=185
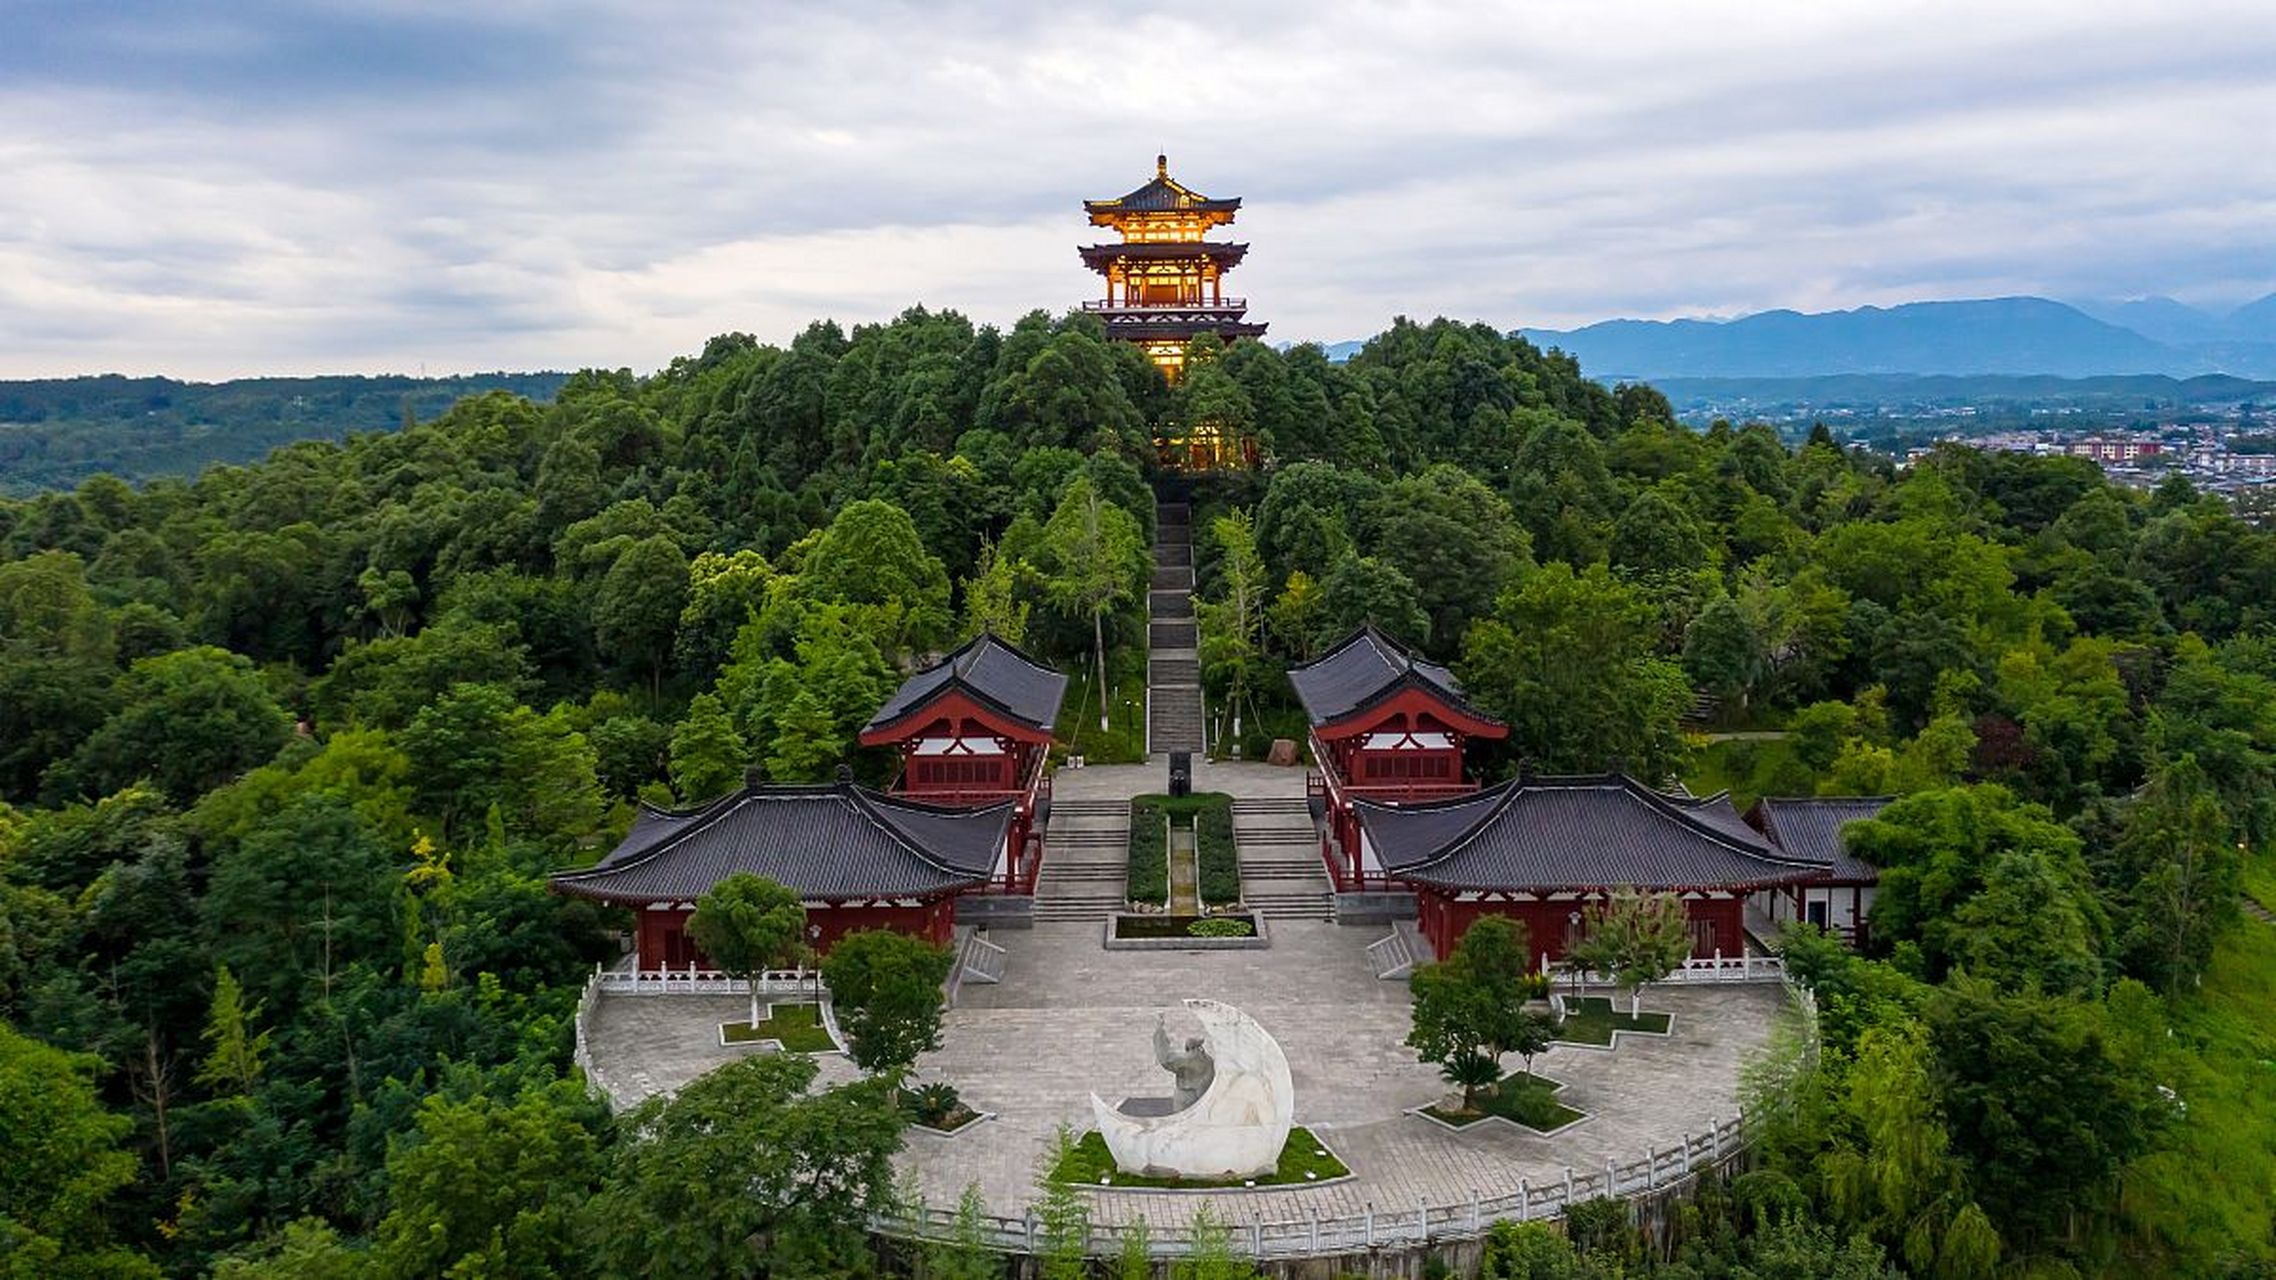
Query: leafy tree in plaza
x=1469 y=1008
x=1637 y=938
x=749 y=924
x=808 y=1168
x=886 y=988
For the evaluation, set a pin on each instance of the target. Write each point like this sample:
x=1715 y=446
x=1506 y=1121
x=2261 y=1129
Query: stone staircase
x=1086 y=854
x=1173 y=662
x=1281 y=874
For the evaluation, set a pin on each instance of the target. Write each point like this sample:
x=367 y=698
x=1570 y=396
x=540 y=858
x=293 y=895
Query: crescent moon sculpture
x=1234 y=1129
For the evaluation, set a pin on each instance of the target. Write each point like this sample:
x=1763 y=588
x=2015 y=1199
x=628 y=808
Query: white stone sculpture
x=1234 y=1129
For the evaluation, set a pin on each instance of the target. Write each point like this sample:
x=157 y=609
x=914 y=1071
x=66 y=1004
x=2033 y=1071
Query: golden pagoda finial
x=1162 y=166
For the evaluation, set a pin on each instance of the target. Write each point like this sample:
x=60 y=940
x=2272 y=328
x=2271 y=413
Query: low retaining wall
x=1374 y=907
x=996 y=910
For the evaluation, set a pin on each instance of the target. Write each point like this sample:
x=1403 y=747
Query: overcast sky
x=208 y=190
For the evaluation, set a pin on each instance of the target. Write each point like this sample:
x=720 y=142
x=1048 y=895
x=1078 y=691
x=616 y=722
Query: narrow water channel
x=1185 y=872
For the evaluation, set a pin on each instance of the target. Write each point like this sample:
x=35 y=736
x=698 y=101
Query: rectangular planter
x=1182 y=941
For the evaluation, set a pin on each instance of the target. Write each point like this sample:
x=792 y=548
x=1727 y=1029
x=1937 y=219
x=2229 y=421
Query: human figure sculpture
x=1192 y=1069
x=1232 y=1111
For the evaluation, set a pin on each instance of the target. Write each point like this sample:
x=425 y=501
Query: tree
x=886 y=988
x=636 y=611
x=1569 y=661
x=2042 y=1117
x=1469 y=1008
x=1722 y=651
x=1094 y=561
x=2178 y=873
x=749 y=924
x=1361 y=591
x=1232 y=626
x=1637 y=938
x=744 y=1173
x=60 y=1166
x=189 y=720
x=233 y=1063
x=992 y=603
x=537 y=1158
x=708 y=755
x=871 y=554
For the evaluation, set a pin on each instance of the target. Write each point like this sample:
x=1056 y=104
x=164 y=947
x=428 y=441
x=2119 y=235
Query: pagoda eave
x=1100 y=257
x=1179 y=327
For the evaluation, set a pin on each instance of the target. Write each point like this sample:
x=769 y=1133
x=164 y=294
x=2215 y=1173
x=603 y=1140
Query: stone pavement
x=1070 y=1017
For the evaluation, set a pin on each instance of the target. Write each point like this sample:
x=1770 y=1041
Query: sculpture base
x=1304 y=1162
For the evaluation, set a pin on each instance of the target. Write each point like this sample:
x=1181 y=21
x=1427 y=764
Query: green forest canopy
x=324 y=722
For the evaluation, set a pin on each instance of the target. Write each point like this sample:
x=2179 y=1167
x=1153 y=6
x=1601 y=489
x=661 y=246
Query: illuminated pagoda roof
x=1164 y=194
x=1576 y=833
x=837 y=841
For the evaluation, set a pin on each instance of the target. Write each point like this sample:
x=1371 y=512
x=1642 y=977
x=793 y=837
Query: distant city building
x=2120 y=449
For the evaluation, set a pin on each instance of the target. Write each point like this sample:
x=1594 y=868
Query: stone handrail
x=1419 y=1224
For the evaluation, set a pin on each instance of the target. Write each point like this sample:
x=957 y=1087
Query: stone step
x=1166 y=606
x=1271 y=804
x=1177 y=555
x=1171 y=635
x=1173 y=577
x=1163 y=672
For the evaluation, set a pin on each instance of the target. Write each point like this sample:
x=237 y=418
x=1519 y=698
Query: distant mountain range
x=1983 y=336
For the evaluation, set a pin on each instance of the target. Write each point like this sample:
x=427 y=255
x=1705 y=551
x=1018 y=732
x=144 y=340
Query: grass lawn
x=2260 y=878
x=1089 y=1160
x=1593 y=1019
x=1528 y=1100
x=1749 y=770
x=798 y=1026
x=1124 y=741
x=2200 y=1205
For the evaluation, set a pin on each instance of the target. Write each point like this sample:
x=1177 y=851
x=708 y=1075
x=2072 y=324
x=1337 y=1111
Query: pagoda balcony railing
x=1104 y=307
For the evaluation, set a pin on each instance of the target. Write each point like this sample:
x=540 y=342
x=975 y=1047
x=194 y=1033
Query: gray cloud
x=275 y=187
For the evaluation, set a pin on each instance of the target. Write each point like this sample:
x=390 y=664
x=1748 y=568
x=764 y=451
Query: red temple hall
x=1539 y=850
x=857 y=858
x=975 y=728
x=1386 y=725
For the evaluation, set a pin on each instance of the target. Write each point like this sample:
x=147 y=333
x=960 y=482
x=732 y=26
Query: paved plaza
x=1071 y=1017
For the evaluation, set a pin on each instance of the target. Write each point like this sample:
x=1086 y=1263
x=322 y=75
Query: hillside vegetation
x=288 y=748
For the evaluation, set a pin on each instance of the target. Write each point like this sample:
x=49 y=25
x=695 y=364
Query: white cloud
x=361 y=187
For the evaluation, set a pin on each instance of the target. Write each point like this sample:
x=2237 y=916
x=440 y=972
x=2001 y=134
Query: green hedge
x=1147 y=878
x=1219 y=860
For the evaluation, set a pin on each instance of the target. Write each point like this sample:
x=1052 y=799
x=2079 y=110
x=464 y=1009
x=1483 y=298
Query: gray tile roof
x=1810 y=827
x=1162 y=194
x=1365 y=668
x=824 y=842
x=1587 y=832
x=995 y=674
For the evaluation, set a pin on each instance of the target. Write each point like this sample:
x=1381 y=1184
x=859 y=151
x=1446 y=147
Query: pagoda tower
x=1164 y=282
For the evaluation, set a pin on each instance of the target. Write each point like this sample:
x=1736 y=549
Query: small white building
x=1809 y=827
